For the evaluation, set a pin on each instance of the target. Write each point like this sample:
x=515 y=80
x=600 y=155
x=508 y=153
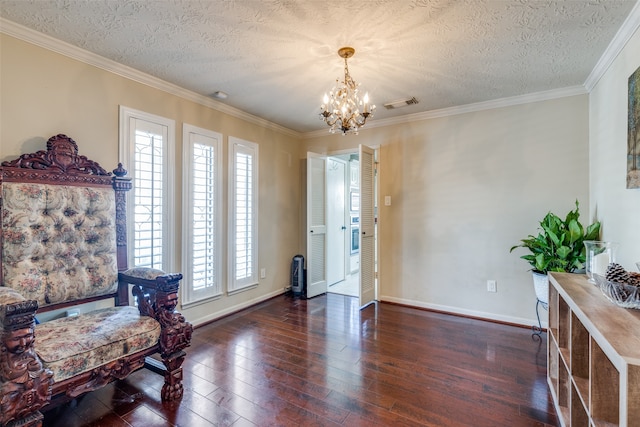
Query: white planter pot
x=541 y=286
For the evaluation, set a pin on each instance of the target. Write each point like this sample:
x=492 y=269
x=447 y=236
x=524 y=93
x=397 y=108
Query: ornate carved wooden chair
x=63 y=243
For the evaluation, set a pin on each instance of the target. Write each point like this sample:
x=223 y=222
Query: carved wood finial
x=119 y=171
x=61 y=156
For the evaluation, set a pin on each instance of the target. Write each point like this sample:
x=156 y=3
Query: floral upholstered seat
x=73 y=345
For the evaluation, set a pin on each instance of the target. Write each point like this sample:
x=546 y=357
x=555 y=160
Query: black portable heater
x=297 y=276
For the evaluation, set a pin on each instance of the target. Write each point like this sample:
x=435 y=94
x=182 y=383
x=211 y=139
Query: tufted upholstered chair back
x=59 y=241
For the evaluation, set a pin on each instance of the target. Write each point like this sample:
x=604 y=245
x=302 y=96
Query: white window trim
x=126 y=155
x=189 y=296
x=234 y=286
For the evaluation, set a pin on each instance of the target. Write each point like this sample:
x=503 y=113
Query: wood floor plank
x=324 y=362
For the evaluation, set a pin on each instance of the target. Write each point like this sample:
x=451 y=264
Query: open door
x=367 y=227
x=316 y=225
x=336 y=217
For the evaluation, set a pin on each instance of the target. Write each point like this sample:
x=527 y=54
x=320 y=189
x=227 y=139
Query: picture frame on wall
x=633 y=133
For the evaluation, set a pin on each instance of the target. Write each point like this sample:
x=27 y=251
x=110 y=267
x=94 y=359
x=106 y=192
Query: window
x=243 y=219
x=146 y=142
x=202 y=214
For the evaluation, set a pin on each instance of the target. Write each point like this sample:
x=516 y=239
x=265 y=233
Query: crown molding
x=620 y=40
x=39 y=39
x=626 y=31
x=468 y=108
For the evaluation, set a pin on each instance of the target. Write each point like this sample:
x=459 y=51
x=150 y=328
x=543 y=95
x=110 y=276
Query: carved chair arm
x=157 y=296
x=149 y=277
x=146 y=284
x=25 y=385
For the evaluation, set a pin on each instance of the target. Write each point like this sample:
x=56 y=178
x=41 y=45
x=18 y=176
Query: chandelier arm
x=332 y=122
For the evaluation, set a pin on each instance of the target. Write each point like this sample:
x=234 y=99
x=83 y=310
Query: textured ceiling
x=276 y=58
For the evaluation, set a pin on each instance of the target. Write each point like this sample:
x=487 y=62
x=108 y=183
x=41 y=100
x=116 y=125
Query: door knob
x=343 y=228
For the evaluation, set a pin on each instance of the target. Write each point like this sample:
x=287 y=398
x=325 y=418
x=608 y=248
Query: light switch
x=387 y=200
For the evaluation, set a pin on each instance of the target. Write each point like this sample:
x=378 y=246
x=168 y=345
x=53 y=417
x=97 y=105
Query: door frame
x=332 y=228
x=376 y=151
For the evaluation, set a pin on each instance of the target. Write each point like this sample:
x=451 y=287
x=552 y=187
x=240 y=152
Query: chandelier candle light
x=341 y=108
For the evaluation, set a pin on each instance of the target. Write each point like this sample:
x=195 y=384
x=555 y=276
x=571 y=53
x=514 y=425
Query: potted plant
x=559 y=246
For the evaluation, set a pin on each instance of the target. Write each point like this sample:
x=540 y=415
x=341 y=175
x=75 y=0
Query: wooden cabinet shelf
x=593 y=355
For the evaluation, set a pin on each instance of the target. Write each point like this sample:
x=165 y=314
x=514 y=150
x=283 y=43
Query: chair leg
x=172 y=388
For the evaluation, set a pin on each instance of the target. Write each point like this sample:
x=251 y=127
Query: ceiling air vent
x=400 y=103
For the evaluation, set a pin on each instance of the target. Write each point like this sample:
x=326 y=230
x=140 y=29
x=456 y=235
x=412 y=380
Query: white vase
x=541 y=286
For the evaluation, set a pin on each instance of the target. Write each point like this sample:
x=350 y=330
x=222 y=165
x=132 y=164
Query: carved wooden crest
x=61 y=156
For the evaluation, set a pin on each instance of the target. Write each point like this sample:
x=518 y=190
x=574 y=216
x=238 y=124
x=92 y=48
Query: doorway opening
x=340 y=206
x=343 y=224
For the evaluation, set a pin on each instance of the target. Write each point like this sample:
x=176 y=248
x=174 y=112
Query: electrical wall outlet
x=492 y=286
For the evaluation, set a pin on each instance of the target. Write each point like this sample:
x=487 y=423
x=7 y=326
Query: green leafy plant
x=559 y=245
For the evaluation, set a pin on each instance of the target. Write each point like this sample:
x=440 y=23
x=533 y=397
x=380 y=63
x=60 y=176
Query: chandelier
x=341 y=108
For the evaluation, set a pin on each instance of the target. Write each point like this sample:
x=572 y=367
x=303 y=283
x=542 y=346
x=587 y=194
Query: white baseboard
x=229 y=310
x=411 y=303
x=462 y=311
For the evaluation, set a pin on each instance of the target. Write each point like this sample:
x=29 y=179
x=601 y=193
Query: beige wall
x=466 y=188
x=45 y=93
x=617 y=206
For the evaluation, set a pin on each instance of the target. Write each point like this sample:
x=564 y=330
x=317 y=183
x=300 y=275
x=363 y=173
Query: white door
x=367 y=227
x=336 y=217
x=316 y=225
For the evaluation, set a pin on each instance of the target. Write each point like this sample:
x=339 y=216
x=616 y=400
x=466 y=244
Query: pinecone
x=616 y=273
x=634 y=279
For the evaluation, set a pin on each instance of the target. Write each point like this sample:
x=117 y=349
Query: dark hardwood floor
x=292 y=362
